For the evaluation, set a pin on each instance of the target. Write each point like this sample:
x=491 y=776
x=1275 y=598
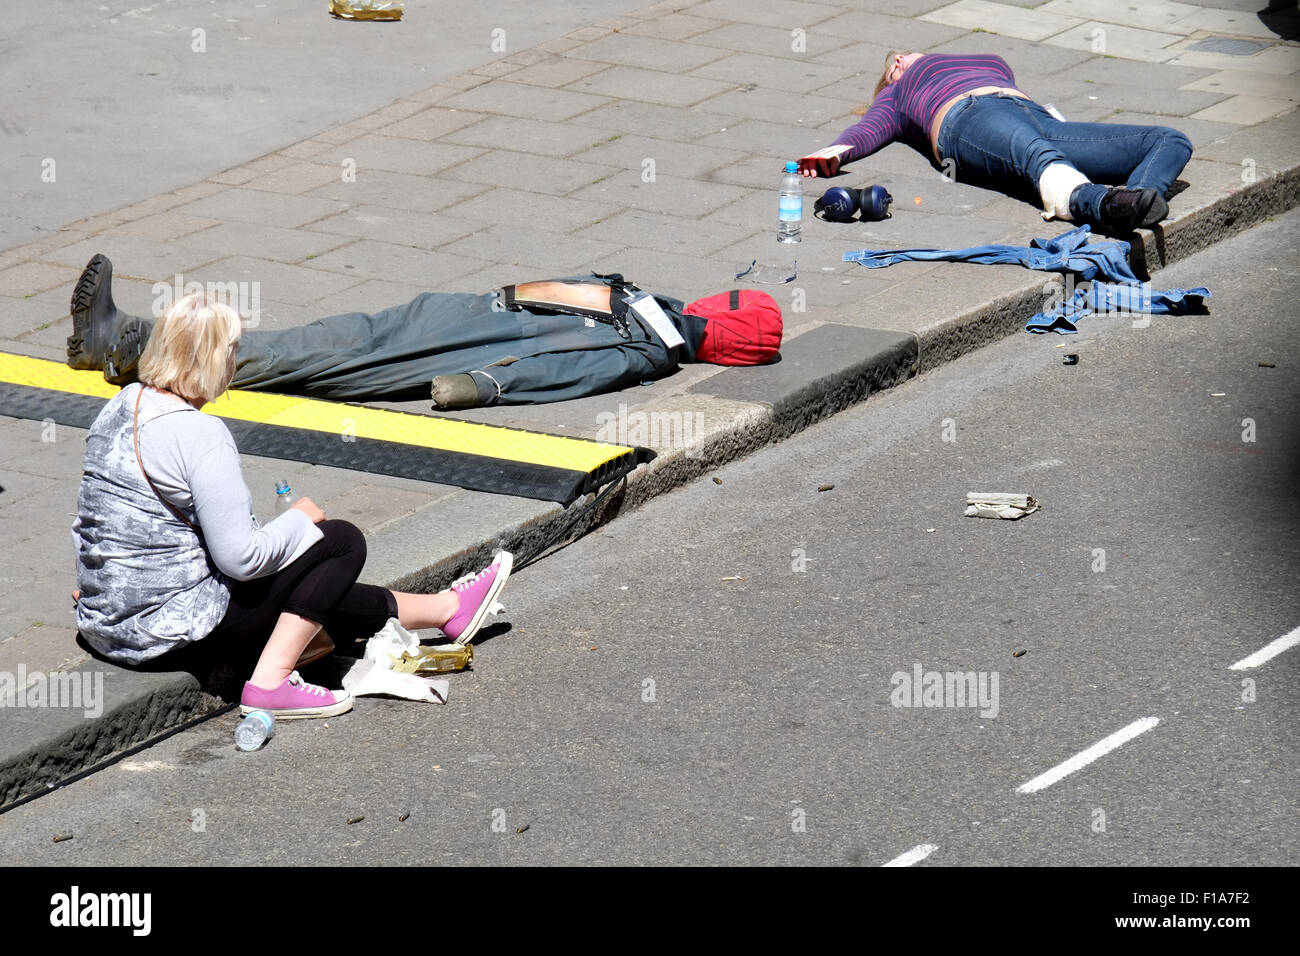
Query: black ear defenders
x=839 y=204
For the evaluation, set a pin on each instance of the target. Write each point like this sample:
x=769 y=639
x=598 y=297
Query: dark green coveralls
x=394 y=355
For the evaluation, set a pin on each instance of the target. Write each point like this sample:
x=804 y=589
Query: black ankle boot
x=96 y=321
x=1124 y=210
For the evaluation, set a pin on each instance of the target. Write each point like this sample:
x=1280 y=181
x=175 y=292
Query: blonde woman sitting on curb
x=169 y=553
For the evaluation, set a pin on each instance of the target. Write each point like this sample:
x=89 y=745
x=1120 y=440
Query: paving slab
x=556 y=72
x=774 y=41
x=773 y=13
x=1245 y=82
x=650 y=157
x=664 y=194
x=1000 y=18
x=673 y=26
x=889 y=31
x=416 y=193
x=1107 y=39
x=530 y=136
x=778 y=73
x=665 y=233
x=431 y=124
x=1282 y=60
x=1158 y=15
x=398 y=226
x=531 y=102
x=1245 y=110
x=649 y=86
x=537 y=250
x=371 y=259
x=764 y=104
x=646 y=53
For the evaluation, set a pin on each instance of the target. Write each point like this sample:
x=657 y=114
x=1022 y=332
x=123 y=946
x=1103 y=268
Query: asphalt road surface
x=712 y=678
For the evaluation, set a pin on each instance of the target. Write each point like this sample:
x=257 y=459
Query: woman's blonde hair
x=191 y=350
x=889 y=65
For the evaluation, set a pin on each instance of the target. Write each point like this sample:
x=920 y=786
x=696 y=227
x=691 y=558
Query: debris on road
x=717 y=480
x=1070 y=358
x=61 y=837
x=731 y=579
x=352 y=820
x=366 y=9
x=1019 y=654
x=997 y=505
x=825 y=487
x=1267 y=365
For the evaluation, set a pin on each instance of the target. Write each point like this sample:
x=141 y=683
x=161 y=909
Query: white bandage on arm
x=1055 y=186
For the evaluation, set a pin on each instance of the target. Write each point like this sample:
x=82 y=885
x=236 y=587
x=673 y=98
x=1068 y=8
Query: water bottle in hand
x=790 y=224
x=284 y=498
x=254 y=730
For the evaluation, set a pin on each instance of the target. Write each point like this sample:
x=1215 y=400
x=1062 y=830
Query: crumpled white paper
x=373 y=675
x=370 y=679
x=388 y=644
x=995 y=505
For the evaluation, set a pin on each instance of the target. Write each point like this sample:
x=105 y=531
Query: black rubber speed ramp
x=491 y=458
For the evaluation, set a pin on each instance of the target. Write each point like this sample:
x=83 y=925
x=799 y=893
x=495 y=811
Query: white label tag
x=648 y=309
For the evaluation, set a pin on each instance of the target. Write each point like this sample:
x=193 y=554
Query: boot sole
x=122 y=360
x=83 y=350
x=1158 y=212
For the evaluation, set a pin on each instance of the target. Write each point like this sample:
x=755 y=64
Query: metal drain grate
x=1230 y=45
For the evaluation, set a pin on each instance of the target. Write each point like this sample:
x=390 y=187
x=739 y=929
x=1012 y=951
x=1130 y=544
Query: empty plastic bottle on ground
x=254 y=730
x=790 y=206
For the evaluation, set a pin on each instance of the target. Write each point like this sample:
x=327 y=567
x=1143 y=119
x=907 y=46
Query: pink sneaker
x=294 y=699
x=478 y=594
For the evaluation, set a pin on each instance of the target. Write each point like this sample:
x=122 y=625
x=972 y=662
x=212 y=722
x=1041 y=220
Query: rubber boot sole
x=90 y=337
x=122 y=360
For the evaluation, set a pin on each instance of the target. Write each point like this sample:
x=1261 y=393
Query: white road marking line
x=914 y=855
x=1081 y=760
x=1268 y=651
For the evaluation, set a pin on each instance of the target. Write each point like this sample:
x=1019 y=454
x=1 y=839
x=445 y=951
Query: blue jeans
x=1005 y=142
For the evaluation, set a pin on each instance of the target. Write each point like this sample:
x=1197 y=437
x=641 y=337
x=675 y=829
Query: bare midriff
x=587 y=295
x=937 y=124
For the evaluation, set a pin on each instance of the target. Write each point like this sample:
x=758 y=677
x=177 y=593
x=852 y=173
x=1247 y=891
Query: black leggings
x=320 y=586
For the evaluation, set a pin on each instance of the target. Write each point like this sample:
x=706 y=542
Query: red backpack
x=744 y=327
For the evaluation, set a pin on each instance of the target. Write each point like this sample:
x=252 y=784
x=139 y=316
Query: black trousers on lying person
x=320 y=586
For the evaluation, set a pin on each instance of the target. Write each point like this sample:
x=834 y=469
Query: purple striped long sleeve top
x=906 y=108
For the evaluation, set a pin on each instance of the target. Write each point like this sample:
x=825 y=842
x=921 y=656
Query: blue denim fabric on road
x=1110 y=298
x=1070 y=252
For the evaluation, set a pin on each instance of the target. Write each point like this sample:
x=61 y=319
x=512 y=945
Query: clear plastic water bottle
x=254 y=730
x=790 y=222
x=283 y=497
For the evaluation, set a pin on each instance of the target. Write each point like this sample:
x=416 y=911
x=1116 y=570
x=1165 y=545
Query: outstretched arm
x=878 y=128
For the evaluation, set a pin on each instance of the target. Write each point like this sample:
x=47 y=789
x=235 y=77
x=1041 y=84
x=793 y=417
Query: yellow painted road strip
x=335 y=418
